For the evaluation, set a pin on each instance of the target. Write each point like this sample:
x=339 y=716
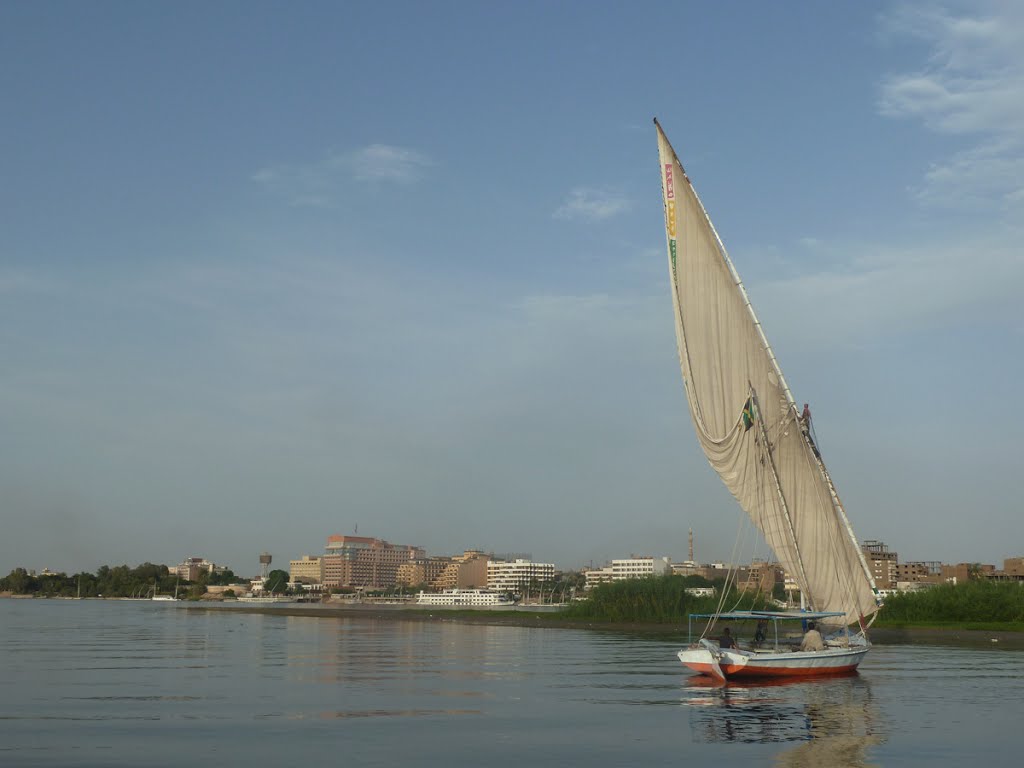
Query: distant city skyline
x=268 y=272
x=281 y=561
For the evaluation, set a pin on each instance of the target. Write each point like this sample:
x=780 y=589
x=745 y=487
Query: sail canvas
x=744 y=415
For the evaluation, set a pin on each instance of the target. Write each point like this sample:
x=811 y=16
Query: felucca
x=761 y=446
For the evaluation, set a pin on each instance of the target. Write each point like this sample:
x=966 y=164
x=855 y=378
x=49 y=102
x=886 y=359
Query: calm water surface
x=91 y=683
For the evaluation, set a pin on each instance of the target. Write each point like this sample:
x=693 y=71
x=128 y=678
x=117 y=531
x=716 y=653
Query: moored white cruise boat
x=469 y=598
x=267 y=599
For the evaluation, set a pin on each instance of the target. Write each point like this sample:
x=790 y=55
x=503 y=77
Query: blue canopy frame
x=772 y=616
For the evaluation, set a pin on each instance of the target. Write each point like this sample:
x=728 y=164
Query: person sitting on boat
x=812 y=639
x=726 y=640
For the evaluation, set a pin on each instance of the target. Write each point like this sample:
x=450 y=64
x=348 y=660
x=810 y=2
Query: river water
x=122 y=683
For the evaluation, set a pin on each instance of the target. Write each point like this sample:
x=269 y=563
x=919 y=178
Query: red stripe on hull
x=734 y=671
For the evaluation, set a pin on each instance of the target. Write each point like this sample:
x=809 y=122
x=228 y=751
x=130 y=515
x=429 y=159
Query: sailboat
x=762 y=447
x=166 y=597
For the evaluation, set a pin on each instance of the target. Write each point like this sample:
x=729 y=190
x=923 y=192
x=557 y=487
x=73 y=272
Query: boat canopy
x=773 y=615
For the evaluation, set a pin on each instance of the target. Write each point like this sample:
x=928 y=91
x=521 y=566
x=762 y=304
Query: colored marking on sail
x=670 y=215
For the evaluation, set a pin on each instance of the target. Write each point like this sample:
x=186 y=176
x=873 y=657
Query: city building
x=963 y=572
x=881 y=562
x=595 y=576
x=518 y=575
x=687 y=568
x=191 y=568
x=1013 y=570
x=465 y=571
x=423 y=570
x=306 y=570
x=361 y=561
x=635 y=567
x=918 y=572
x=761 y=576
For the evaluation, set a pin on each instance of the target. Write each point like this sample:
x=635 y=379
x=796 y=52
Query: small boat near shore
x=166 y=598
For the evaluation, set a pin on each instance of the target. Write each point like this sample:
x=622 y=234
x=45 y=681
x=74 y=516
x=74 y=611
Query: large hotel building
x=518 y=575
x=360 y=561
x=465 y=571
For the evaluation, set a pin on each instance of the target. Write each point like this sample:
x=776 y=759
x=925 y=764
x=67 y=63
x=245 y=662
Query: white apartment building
x=630 y=568
x=638 y=567
x=518 y=575
x=597 y=576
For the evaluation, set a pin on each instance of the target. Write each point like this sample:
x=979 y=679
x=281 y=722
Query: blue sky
x=269 y=271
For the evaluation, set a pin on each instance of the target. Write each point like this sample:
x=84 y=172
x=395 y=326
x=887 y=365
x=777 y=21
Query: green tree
x=277 y=581
x=19 y=582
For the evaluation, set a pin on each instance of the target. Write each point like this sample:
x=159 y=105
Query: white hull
x=268 y=600
x=728 y=664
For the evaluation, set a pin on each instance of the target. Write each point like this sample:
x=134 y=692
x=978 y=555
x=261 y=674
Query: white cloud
x=319 y=184
x=888 y=289
x=971 y=86
x=592 y=203
x=380 y=162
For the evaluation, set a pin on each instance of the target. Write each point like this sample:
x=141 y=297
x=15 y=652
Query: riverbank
x=528 y=616
x=525 y=617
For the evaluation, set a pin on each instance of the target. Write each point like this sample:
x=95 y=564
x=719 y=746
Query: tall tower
x=691 y=545
x=265 y=560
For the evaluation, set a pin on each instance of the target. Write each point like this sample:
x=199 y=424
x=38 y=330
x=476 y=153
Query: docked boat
x=470 y=598
x=267 y=599
x=166 y=598
x=762 y=447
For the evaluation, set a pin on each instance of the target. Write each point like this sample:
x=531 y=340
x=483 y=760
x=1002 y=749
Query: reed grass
x=653 y=600
x=982 y=603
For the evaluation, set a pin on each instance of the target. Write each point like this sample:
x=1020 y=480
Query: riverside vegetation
x=119 y=581
x=657 y=600
x=976 y=604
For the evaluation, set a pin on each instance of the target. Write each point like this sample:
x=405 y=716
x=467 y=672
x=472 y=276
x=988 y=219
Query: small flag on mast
x=749 y=414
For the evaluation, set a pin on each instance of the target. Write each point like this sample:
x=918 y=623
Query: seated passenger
x=726 y=640
x=812 y=640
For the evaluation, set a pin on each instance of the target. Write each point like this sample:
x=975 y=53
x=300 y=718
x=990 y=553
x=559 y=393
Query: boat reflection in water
x=834 y=719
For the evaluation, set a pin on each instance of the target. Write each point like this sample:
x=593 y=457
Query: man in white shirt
x=812 y=639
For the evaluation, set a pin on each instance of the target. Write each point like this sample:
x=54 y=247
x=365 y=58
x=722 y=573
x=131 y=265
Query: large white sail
x=767 y=461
